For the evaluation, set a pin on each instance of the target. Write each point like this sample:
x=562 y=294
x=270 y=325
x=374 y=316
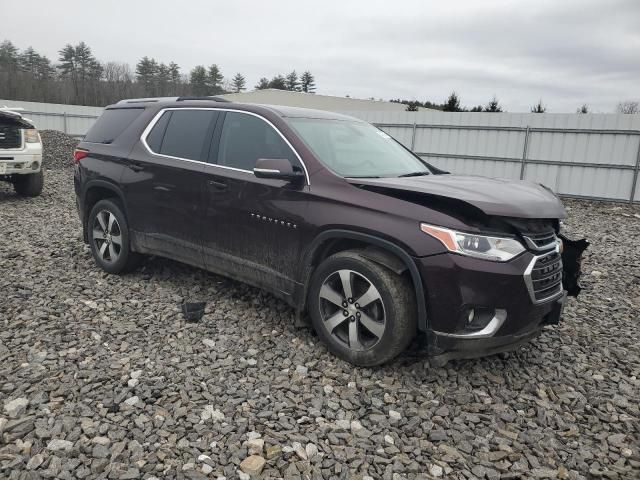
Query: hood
x=13 y=119
x=493 y=196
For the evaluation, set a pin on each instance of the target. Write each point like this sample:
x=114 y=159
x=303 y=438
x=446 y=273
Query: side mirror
x=276 y=168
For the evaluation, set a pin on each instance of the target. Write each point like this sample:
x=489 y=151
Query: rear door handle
x=136 y=167
x=217 y=185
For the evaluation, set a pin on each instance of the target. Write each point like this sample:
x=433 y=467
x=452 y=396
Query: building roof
x=271 y=96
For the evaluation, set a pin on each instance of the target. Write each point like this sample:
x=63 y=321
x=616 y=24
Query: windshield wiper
x=365 y=176
x=414 y=174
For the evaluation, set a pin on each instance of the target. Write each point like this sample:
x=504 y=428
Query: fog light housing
x=477 y=318
x=35 y=165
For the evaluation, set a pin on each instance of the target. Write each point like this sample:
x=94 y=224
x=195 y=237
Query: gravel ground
x=100 y=377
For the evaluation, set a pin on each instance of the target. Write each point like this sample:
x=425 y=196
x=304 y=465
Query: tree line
x=453 y=104
x=79 y=78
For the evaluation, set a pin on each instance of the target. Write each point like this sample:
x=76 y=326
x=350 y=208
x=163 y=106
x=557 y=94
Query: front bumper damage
x=499 y=291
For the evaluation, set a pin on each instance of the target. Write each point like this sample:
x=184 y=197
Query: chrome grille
x=10 y=137
x=544 y=277
x=541 y=241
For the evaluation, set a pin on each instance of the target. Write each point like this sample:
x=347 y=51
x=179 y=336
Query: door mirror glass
x=276 y=168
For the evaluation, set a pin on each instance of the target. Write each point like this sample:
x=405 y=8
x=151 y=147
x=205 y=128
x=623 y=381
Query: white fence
x=74 y=120
x=590 y=156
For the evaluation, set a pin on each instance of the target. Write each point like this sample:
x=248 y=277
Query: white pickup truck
x=20 y=153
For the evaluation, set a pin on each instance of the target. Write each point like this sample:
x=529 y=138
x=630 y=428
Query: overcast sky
x=565 y=52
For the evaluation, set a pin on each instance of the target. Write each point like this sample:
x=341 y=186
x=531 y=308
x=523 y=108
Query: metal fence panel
x=74 y=120
x=592 y=155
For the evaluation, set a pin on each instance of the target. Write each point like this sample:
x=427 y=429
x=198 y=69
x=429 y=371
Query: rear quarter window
x=183 y=133
x=111 y=124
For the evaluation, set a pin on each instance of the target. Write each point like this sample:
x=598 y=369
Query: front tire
x=29 y=185
x=108 y=234
x=363 y=312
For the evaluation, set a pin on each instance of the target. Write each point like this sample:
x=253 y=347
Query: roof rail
x=147 y=100
x=213 y=99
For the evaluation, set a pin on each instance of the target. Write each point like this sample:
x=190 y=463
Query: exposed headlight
x=31 y=135
x=498 y=249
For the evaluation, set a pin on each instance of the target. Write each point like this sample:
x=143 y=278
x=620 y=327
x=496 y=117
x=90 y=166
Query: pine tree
x=452 y=104
x=278 y=82
x=263 y=84
x=238 y=83
x=162 y=80
x=493 y=106
x=539 y=107
x=583 y=109
x=307 y=82
x=214 y=80
x=8 y=56
x=291 y=82
x=198 y=80
x=174 y=77
x=146 y=75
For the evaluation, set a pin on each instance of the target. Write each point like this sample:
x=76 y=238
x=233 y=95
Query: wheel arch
x=94 y=191
x=376 y=249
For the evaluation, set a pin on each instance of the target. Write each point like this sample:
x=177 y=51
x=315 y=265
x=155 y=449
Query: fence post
x=64 y=122
x=634 y=182
x=413 y=137
x=525 y=149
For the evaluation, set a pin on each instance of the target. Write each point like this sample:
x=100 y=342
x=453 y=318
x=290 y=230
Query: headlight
x=498 y=249
x=31 y=135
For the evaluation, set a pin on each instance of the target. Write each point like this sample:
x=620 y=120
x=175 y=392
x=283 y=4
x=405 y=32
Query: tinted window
x=246 y=138
x=154 y=139
x=111 y=124
x=187 y=134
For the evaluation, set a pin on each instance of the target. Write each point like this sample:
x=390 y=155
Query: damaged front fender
x=572 y=251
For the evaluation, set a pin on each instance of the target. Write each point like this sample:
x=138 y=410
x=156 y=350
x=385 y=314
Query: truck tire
x=108 y=233
x=362 y=311
x=29 y=185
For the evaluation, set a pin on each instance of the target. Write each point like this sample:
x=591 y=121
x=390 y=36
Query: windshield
x=357 y=149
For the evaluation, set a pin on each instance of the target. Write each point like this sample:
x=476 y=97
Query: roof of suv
x=281 y=110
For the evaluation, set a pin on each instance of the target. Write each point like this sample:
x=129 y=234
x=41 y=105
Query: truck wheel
x=109 y=238
x=365 y=313
x=29 y=185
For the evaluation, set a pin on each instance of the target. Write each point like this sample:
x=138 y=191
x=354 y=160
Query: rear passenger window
x=183 y=133
x=246 y=138
x=111 y=124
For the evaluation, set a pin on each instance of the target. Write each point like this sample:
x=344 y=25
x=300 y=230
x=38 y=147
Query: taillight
x=79 y=154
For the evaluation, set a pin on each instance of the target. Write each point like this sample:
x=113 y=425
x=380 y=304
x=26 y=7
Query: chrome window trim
x=152 y=123
x=529 y=282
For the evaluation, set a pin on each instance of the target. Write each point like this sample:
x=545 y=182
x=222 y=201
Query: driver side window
x=246 y=138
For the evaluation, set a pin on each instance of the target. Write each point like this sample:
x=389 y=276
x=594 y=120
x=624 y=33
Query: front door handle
x=217 y=185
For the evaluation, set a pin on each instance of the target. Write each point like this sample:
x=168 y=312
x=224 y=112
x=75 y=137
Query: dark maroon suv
x=332 y=215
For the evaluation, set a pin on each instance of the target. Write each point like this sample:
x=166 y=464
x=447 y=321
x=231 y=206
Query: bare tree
x=628 y=107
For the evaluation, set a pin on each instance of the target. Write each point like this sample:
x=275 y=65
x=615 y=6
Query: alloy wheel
x=352 y=309
x=107 y=236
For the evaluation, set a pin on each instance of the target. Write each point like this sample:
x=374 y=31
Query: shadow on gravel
x=176 y=275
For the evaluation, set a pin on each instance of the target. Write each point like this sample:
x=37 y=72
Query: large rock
x=253 y=465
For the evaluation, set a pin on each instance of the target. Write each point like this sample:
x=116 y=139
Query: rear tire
x=109 y=239
x=29 y=185
x=381 y=309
